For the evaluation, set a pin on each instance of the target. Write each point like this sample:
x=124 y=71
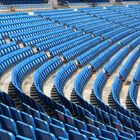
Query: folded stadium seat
x=93 y=129
x=43 y=135
x=118 y=126
x=127 y=121
x=60 y=115
x=70 y=127
x=114 y=118
x=69 y=120
x=6 y=135
x=130 y=131
x=113 y=130
x=25 y=130
x=108 y=134
x=89 y=120
x=35 y=113
x=45 y=117
x=58 y=131
x=106 y=117
x=127 y=135
x=15 y=114
x=57 y=122
x=120 y=115
x=99 y=125
x=5 y=110
x=73 y=135
x=129 y=114
x=28 y=119
x=80 y=125
x=89 y=114
x=87 y=134
x=26 y=108
x=135 y=25
x=43 y=125
x=81 y=111
x=135 y=124
x=8 y=124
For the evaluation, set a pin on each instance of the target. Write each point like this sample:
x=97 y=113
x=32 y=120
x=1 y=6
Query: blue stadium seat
x=80 y=125
x=58 y=131
x=5 y=110
x=6 y=135
x=25 y=130
x=8 y=124
x=93 y=129
x=76 y=135
x=28 y=119
x=43 y=125
x=15 y=114
x=109 y=135
x=42 y=135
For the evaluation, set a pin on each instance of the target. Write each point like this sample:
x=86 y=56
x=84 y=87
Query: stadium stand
x=6 y=2
x=67 y=51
